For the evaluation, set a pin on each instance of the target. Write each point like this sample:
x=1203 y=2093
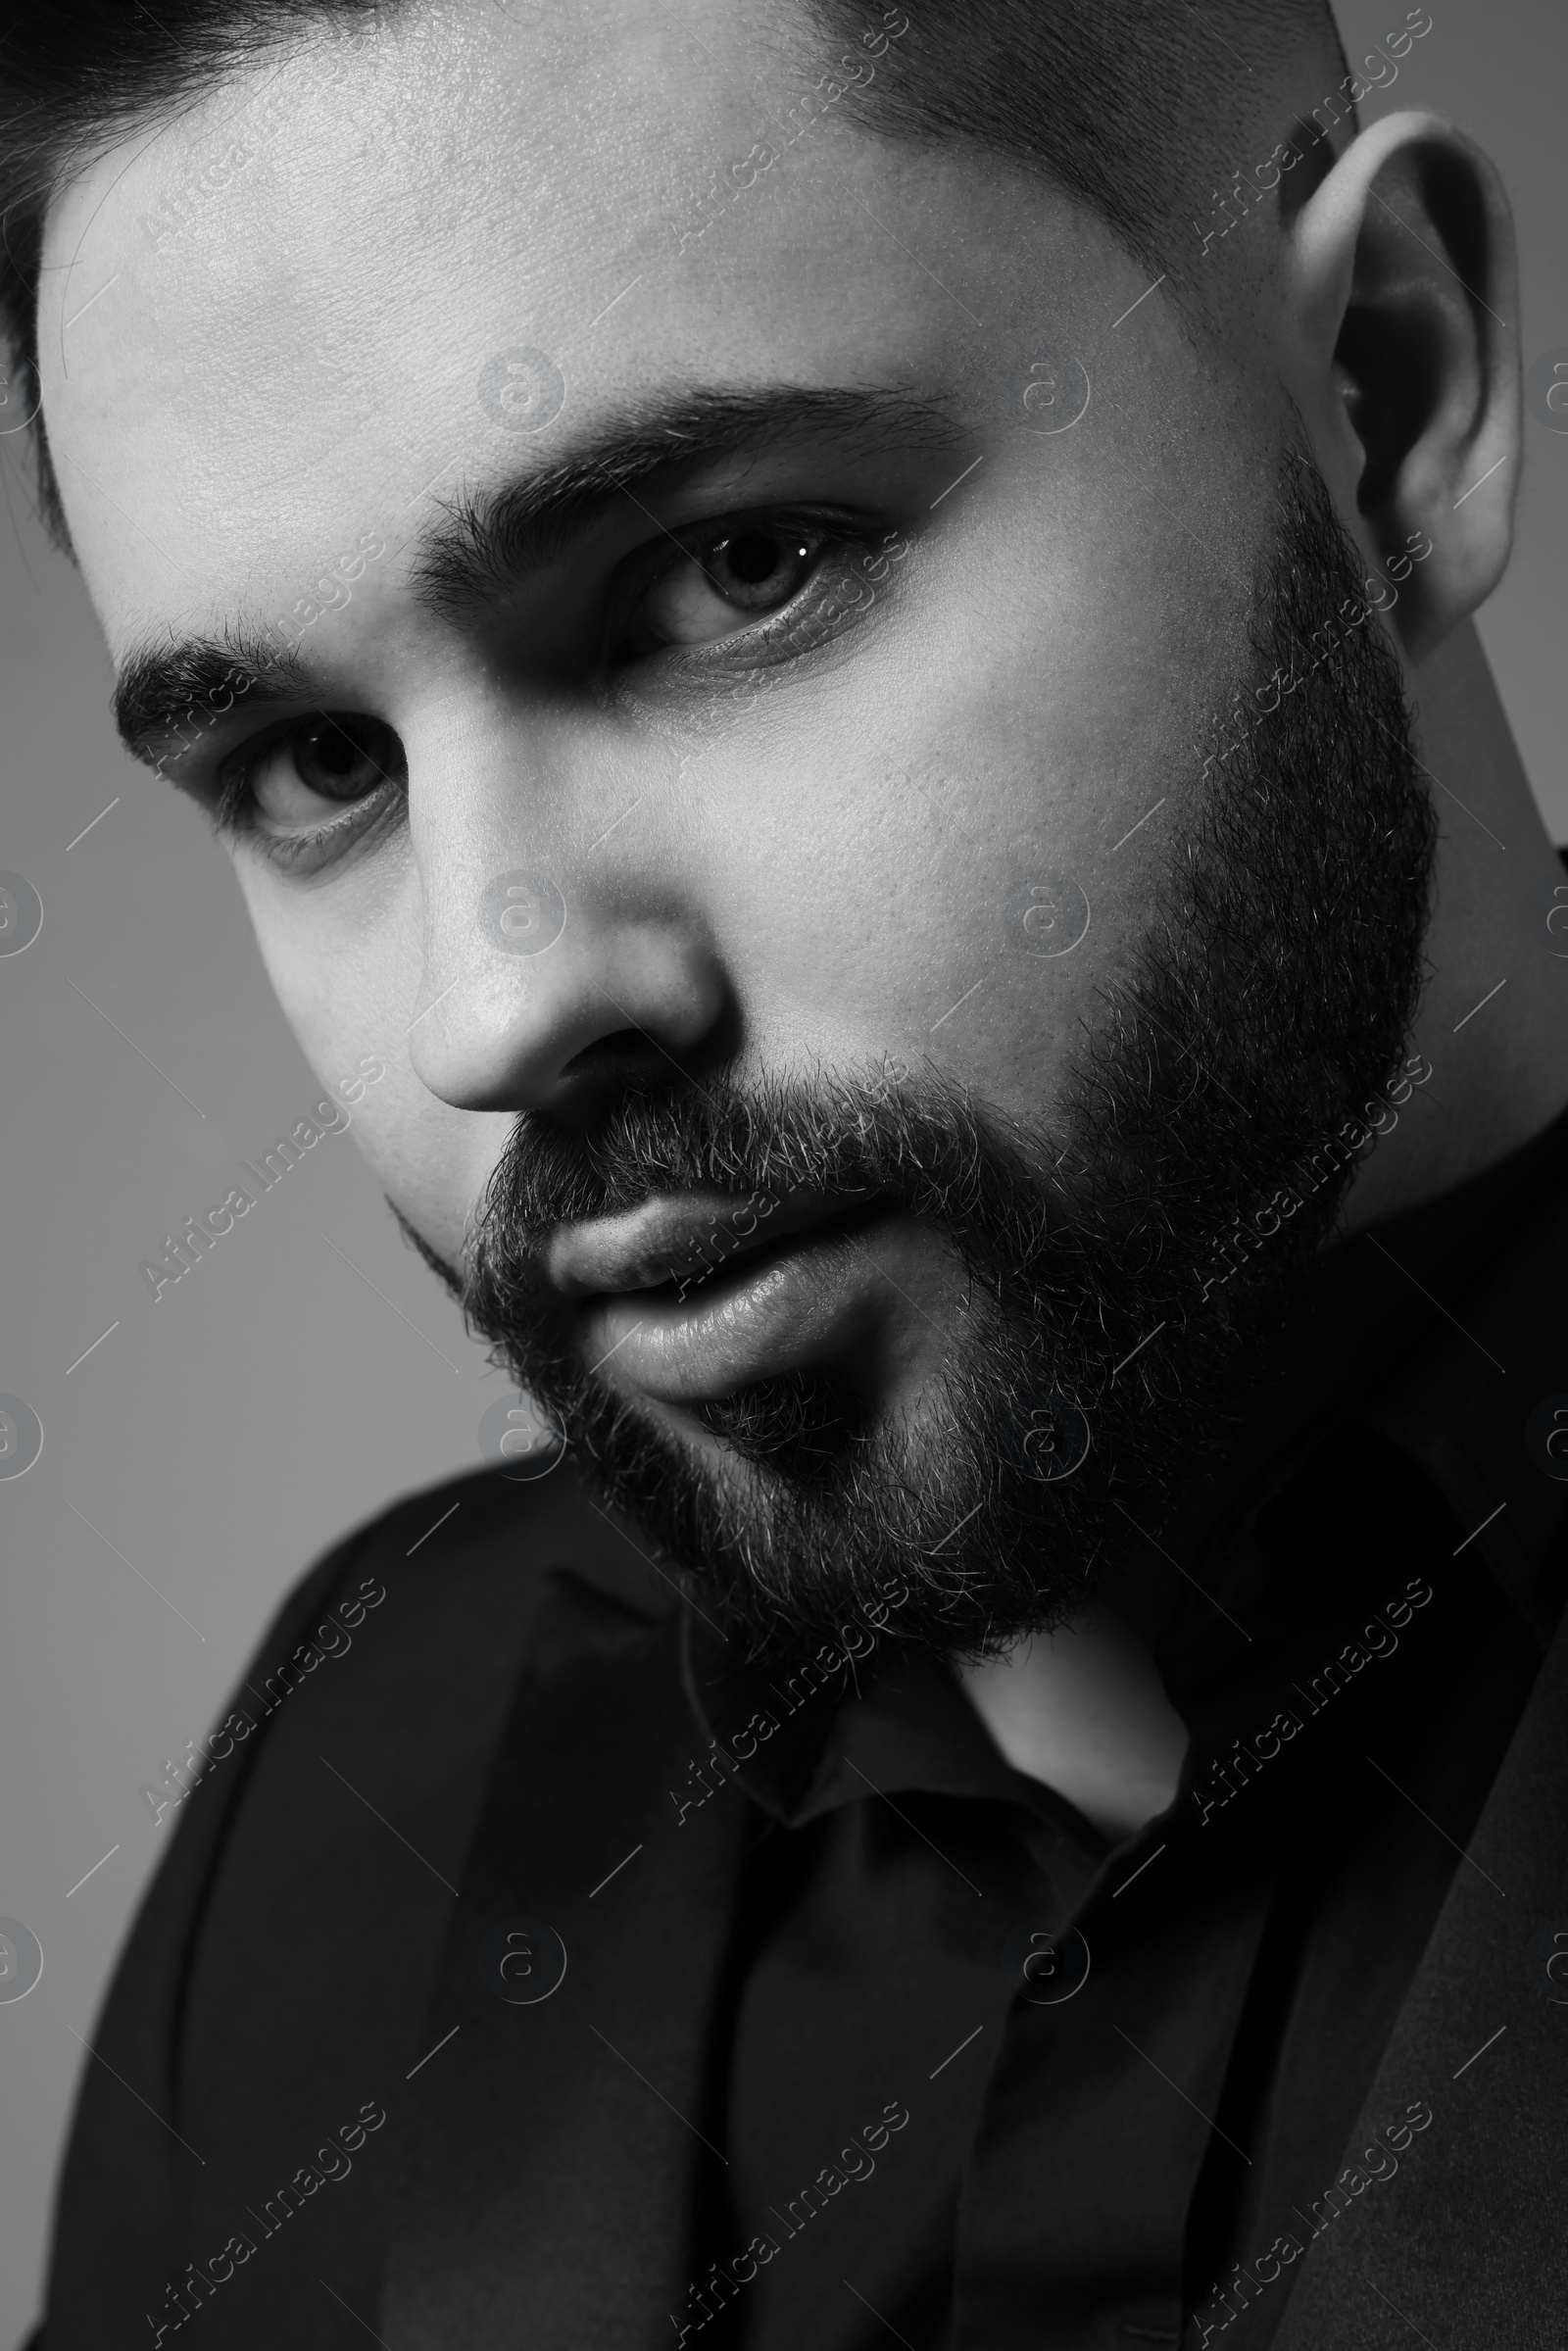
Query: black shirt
x=801 y=2080
x=1089 y=2149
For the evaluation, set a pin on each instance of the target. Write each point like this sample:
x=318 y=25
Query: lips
x=696 y=1295
x=682 y=1237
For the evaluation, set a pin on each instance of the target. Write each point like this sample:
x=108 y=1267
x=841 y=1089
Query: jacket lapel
x=1465 y=2241
x=127 y=2173
x=556 y=2150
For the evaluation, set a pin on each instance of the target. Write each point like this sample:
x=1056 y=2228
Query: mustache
x=1273 y=977
x=924 y=1147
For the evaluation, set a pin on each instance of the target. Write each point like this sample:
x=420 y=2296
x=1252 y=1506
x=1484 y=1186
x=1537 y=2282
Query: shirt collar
x=1427 y=1334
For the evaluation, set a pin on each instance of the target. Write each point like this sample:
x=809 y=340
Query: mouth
x=690 y=1298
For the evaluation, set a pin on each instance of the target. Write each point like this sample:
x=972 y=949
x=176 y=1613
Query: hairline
x=1199 y=314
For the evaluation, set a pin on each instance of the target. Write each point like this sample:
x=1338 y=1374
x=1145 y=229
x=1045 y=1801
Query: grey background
x=309 y=1370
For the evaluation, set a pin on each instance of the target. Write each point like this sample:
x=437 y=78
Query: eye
x=310 y=775
x=727 y=577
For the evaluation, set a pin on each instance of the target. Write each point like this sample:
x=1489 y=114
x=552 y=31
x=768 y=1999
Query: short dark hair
x=1141 y=108
x=1137 y=108
x=77 y=74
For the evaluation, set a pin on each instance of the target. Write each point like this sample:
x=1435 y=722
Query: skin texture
x=810 y=877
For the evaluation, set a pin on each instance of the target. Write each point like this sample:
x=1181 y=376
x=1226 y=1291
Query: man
x=844 y=639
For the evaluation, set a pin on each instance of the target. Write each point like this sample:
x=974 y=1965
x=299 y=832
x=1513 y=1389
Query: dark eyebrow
x=489 y=539
x=158 y=688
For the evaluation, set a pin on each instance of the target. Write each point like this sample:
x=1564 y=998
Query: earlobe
x=1404 y=360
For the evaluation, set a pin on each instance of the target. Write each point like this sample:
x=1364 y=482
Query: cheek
x=432 y=1161
x=336 y=950
x=345 y=963
x=933 y=883
x=954 y=841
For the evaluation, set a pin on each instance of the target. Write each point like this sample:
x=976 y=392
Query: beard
x=1096 y=1374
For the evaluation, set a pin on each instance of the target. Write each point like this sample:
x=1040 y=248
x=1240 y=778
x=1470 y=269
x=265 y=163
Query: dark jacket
x=307 y=2115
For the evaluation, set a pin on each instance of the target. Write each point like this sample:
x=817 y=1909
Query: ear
x=1401 y=352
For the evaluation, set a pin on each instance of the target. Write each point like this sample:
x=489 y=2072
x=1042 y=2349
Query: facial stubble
x=1273 y=994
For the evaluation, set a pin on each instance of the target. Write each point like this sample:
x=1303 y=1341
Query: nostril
x=626 y=1055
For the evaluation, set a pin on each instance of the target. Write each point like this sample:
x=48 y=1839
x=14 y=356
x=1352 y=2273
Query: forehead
x=269 y=322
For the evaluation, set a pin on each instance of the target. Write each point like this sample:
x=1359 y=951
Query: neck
x=1085 y=1709
x=1499 y=1073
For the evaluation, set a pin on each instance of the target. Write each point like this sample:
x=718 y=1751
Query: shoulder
x=482 y=1543
x=399 y=1648
x=282 y=1958
x=379 y=1692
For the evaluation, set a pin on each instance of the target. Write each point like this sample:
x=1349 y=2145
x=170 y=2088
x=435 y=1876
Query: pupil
x=337 y=759
x=753 y=558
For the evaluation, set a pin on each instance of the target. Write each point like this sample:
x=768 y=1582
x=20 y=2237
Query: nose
x=558 y=957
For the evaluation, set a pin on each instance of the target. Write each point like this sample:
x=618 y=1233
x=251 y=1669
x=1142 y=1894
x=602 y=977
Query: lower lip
x=814 y=1297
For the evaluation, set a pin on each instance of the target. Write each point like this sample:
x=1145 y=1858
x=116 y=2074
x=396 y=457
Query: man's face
x=848 y=739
